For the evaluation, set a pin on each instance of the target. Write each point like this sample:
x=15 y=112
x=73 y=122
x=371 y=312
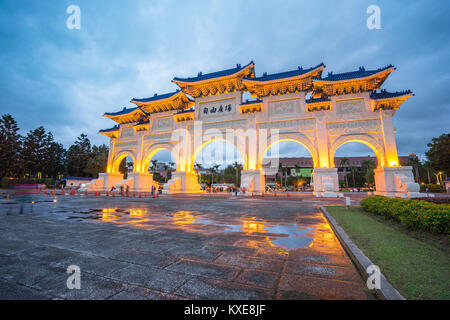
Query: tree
x=414 y=162
x=78 y=156
x=153 y=166
x=10 y=145
x=439 y=153
x=98 y=161
x=369 y=175
x=198 y=166
x=214 y=170
x=34 y=154
x=166 y=168
x=344 y=163
x=237 y=167
x=55 y=156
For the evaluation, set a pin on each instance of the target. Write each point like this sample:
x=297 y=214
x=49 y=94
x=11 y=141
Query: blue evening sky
x=66 y=79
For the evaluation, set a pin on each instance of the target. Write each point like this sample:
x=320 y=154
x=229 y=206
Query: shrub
x=431 y=188
x=414 y=214
x=4 y=183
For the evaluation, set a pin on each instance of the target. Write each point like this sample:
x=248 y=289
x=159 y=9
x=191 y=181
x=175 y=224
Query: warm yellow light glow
x=183 y=218
x=393 y=163
x=251 y=226
x=137 y=212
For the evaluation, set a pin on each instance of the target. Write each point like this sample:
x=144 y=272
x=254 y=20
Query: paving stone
x=12 y=291
x=200 y=288
x=145 y=258
x=324 y=288
x=92 y=288
x=243 y=261
x=208 y=270
x=323 y=271
x=149 y=277
x=259 y=278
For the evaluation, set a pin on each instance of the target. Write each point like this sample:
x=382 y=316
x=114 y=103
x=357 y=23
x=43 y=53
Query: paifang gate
x=340 y=108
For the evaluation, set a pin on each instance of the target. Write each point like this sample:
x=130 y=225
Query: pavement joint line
x=362 y=262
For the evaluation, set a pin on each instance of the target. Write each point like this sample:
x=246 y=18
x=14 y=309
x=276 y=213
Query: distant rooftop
x=383 y=94
x=287 y=74
x=156 y=97
x=212 y=75
x=361 y=73
x=122 y=112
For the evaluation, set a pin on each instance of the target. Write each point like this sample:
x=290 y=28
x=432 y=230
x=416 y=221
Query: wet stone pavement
x=173 y=247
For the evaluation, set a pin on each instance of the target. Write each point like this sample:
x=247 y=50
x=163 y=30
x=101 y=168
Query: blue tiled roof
x=116 y=127
x=384 y=94
x=212 y=75
x=76 y=178
x=312 y=100
x=299 y=71
x=251 y=102
x=156 y=97
x=120 y=113
x=361 y=73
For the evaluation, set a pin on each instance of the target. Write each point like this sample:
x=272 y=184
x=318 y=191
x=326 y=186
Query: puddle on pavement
x=286 y=236
x=281 y=235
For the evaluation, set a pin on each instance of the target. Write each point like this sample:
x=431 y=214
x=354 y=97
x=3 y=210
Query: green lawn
x=416 y=263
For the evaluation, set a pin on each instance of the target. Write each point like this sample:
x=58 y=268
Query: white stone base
x=141 y=182
x=326 y=182
x=253 y=181
x=396 y=182
x=183 y=182
x=105 y=181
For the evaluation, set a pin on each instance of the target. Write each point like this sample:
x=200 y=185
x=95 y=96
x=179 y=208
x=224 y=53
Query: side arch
x=369 y=141
x=118 y=157
x=154 y=149
x=294 y=137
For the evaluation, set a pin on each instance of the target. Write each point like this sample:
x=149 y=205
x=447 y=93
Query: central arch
x=204 y=144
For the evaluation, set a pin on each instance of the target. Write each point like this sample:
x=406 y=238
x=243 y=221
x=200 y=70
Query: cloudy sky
x=66 y=79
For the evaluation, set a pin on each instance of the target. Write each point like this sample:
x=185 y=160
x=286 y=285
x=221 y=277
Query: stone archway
x=320 y=113
x=237 y=146
x=294 y=137
x=118 y=158
x=152 y=150
x=367 y=140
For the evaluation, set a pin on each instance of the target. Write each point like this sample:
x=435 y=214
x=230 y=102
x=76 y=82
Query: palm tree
x=153 y=166
x=198 y=166
x=214 y=170
x=238 y=167
x=415 y=163
x=166 y=167
x=369 y=165
x=344 y=162
x=427 y=165
x=280 y=168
